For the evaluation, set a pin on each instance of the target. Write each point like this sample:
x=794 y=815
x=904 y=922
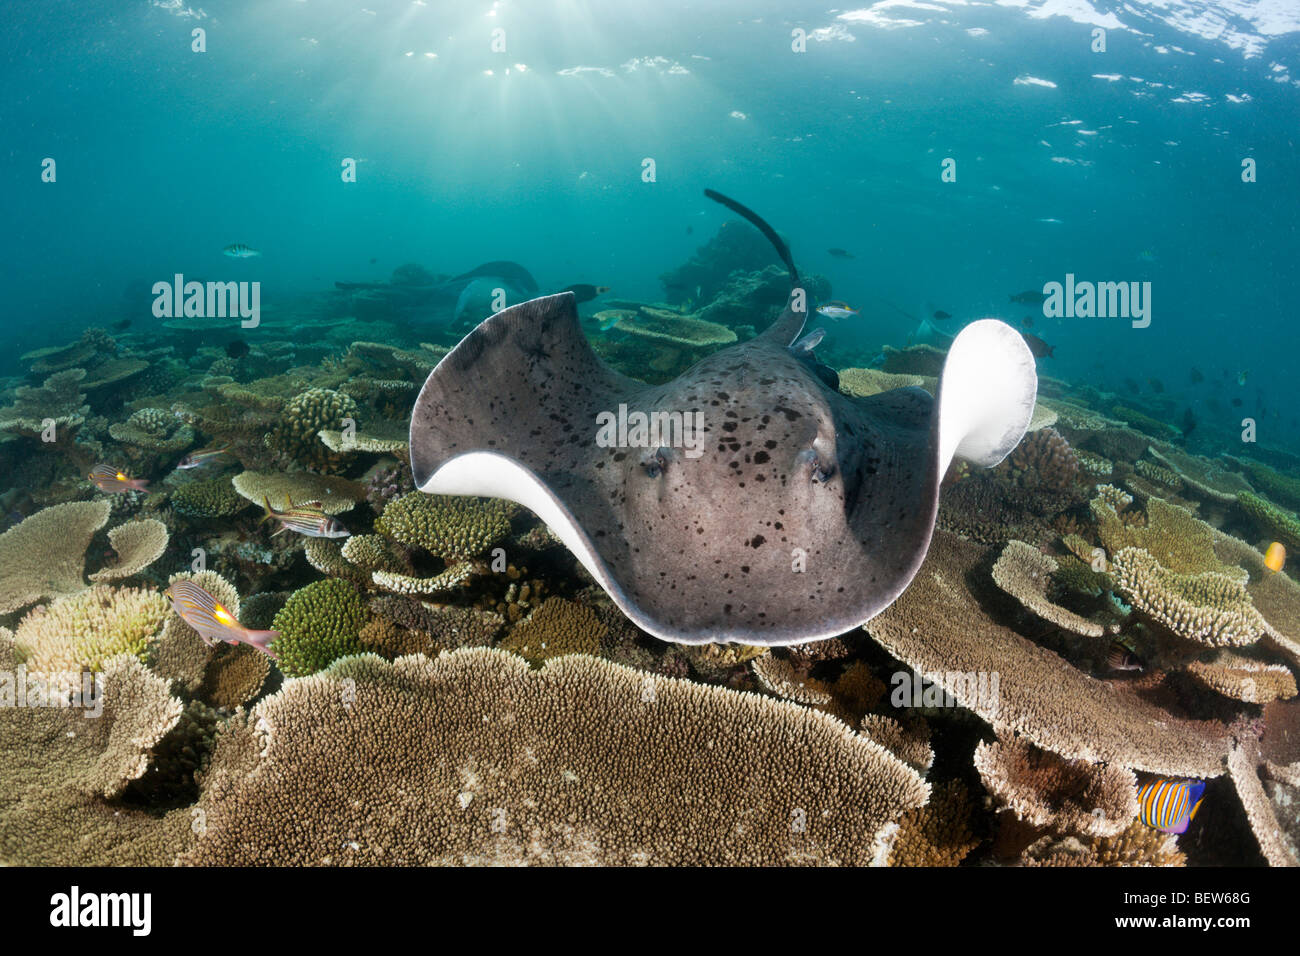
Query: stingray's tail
x=986 y=394
x=781 y=248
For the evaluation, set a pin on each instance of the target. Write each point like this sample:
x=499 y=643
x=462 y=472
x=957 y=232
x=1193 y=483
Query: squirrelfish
x=836 y=310
x=205 y=456
x=1169 y=805
x=203 y=612
x=114 y=480
x=309 y=519
x=239 y=251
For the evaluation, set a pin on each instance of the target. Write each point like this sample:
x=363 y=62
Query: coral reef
x=1024 y=572
x=79 y=632
x=138 y=544
x=474 y=758
x=45 y=555
x=1208 y=607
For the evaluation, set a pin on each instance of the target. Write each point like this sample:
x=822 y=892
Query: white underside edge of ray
x=986 y=394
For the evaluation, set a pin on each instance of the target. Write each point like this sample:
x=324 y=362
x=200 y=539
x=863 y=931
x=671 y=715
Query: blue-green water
x=1123 y=165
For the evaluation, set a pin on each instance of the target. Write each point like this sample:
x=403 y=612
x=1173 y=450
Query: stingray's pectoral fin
x=986 y=394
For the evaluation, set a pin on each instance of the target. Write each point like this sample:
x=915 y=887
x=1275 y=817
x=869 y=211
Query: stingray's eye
x=655 y=464
x=820 y=466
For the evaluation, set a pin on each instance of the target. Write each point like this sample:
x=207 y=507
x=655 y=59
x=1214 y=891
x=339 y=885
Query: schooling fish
x=202 y=457
x=114 y=480
x=585 y=293
x=201 y=611
x=1120 y=657
x=1037 y=346
x=239 y=251
x=941 y=315
x=840 y=253
x=1169 y=805
x=306 y=519
x=836 y=310
x=1029 y=297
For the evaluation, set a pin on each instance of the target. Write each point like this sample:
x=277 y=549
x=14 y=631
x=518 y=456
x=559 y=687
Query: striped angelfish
x=114 y=480
x=309 y=519
x=201 y=611
x=240 y=251
x=1169 y=805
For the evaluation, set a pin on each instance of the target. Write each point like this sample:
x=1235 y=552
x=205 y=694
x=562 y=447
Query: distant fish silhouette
x=236 y=348
x=239 y=251
x=585 y=293
x=1036 y=345
x=840 y=253
x=1029 y=297
x=512 y=272
x=1195 y=376
x=941 y=315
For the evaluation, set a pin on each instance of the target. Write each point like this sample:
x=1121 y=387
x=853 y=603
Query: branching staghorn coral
x=474 y=758
x=78 y=632
x=1208 y=607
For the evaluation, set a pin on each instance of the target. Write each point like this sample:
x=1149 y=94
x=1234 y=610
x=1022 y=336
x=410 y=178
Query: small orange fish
x=1275 y=556
x=114 y=480
x=201 y=611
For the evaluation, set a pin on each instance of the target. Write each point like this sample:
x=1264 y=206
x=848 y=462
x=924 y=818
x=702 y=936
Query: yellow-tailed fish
x=308 y=519
x=114 y=480
x=836 y=310
x=1169 y=805
x=205 y=456
x=1275 y=556
x=203 y=612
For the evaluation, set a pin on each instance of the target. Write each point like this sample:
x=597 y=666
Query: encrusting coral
x=45 y=555
x=476 y=758
x=558 y=626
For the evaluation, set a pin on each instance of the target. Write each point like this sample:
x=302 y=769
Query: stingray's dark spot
x=726 y=609
x=729 y=426
x=744 y=569
x=757 y=541
x=761 y=457
x=770 y=443
x=620 y=455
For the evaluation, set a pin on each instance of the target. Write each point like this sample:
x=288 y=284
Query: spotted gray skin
x=702 y=549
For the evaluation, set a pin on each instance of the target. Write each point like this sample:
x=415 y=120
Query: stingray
x=791 y=513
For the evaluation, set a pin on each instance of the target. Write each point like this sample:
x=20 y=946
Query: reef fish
x=1029 y=297
x=203 y=457
x=114 y=480
x=1275 y=556
x=1040 y=348
x=239 y=251
x=200 y=610
x=585 y=293
x=801 y=514
x=308 y=519
x=836 y=310
x=1120 y=657
x=1169 y=805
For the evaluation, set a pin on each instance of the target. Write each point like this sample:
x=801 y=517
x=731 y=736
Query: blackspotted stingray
x=807 y=513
